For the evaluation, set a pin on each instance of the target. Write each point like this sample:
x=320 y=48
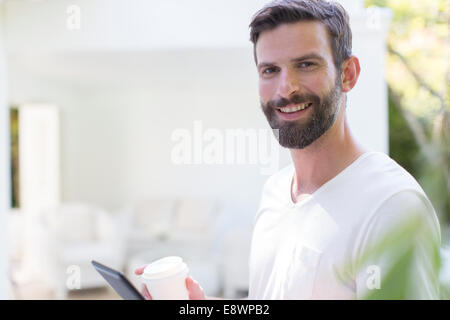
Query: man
x=320 y=227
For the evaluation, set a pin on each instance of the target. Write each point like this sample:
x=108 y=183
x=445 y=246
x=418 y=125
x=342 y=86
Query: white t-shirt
x=322 y=246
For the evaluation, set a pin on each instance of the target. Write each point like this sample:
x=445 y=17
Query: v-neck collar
x=326 y=184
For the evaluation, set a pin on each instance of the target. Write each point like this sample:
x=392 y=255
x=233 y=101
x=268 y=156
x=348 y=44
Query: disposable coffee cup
x=166 y=279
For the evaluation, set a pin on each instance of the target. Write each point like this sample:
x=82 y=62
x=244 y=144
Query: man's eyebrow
x=265 y=64
x=309 y=56
x=302 y=58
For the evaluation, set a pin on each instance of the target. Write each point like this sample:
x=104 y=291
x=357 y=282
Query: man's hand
x=194 y=289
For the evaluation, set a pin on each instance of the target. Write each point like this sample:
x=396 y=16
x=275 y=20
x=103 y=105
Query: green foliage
x=413 y=252
x=395 y=283
x=405 y=150
x=14 y=164
x=445 y=292
x=433 y=182
x=417 y=71
x=419 y=31
x=419 y=75
x=403 y=146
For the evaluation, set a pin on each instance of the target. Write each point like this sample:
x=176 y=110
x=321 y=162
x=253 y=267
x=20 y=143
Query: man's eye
x=305 y=64
x=269 y=70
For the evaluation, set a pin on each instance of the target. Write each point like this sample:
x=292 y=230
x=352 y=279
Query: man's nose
x=288 y=85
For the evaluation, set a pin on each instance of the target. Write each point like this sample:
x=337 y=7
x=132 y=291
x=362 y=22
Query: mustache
x=296 y=99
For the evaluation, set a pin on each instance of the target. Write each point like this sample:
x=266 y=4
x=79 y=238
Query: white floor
x=26 y=289
x=38 y=291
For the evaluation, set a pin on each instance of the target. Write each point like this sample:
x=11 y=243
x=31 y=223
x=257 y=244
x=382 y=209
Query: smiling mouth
x=295 y=108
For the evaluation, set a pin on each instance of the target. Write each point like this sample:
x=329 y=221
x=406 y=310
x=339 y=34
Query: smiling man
x=321 y=223
x=300 y=87
x=342 y=221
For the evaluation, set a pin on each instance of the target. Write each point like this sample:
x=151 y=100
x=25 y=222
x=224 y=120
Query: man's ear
x=350 y=73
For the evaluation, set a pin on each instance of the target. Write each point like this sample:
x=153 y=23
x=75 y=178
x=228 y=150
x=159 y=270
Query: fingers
x=139 y=270
x=145 y=292
x=195 y=290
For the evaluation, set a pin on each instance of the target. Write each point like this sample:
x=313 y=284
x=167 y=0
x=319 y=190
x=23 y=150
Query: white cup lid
x=164 y=267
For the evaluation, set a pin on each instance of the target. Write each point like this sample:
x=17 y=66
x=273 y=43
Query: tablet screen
x=118 y=282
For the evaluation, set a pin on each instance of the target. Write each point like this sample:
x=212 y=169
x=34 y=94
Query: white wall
x=117 y=121
x=39 y=156
x=123 y=91
x=131 y=25
x=4 y=170
x=368 y=100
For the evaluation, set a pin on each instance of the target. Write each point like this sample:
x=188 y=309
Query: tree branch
x=416 y=76
x=415 y=126
x=431 y=154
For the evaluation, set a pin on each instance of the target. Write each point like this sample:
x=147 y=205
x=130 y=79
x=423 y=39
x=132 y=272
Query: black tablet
x=118 y=282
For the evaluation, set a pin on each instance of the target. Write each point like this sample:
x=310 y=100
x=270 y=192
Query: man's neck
x=323 y=159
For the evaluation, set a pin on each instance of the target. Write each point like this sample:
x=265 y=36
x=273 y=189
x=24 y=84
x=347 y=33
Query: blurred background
x=95 y=95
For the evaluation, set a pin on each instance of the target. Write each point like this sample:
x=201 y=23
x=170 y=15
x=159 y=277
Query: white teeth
x=295 y=109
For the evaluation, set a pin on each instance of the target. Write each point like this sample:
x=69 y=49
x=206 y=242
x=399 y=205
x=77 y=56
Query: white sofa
x=183 y=226
x=148 y=222
x=72 y=235
x=234 y=262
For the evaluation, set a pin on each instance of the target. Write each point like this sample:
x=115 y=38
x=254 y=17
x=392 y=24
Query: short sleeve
x=399 y=255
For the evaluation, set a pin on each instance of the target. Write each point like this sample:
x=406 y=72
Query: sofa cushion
x=154 y=215
x=73 y=223
x=195 y=214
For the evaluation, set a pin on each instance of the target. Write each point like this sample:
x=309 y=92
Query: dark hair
x=331 y=14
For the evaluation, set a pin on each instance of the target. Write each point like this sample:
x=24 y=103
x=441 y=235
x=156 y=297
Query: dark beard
x=300 y=134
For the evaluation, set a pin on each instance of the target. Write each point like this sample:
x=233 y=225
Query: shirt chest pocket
x=302 y=272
